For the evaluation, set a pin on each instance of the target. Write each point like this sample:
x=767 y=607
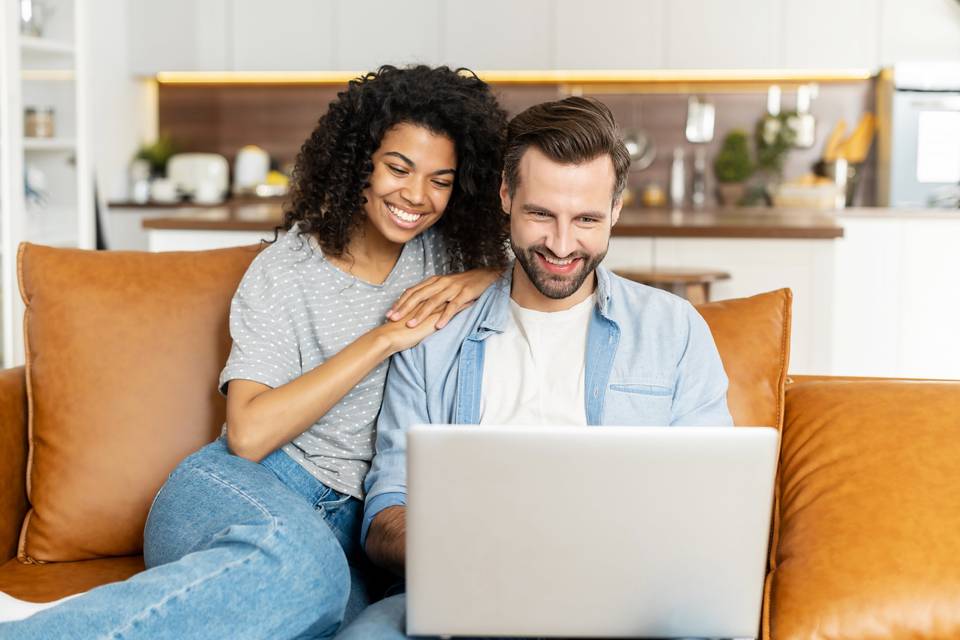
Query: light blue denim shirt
x=650 y=360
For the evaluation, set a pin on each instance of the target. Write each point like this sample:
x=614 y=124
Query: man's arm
x=382 y=534
x=700 y=397
x=387 y=539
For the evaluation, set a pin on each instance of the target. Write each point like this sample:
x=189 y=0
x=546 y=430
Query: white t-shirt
x=533 y=372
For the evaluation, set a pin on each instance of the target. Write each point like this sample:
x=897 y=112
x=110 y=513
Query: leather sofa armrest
x=13 y=459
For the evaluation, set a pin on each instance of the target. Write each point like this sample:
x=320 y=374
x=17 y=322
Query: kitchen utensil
x=854 y=171
x=641 y=149
x=700 y=118
x=250 y=168
x=678 y=178
x=832 y=146
x=164 y=190
x=812 y=196
x=802 y=122
x=698 y=191
x=857 y=146
x=838 y=171
x=208 y=192
x=189 y=170
x=139 y=175
x=653 y=195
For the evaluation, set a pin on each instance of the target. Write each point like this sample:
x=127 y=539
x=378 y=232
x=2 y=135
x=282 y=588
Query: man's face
x=560 y=221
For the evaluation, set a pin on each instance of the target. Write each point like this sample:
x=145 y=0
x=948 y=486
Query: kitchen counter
x=706 y=223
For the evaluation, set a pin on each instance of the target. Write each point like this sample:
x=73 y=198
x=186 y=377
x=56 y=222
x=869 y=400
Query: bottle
x=678 y=179
x=698 y=193
x=139 y=175
x=770 y=128
x=802 y=122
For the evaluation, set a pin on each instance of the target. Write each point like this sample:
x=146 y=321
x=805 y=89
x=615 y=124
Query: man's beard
x=551 y=285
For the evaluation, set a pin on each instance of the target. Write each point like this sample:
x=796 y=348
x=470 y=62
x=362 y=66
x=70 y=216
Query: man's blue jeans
x=234 y=549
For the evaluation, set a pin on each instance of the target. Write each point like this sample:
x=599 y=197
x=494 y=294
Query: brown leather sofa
x=123 y=353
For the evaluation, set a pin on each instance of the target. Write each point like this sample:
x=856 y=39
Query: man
x=558 y=340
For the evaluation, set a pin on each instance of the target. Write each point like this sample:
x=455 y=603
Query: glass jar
x=38 y=122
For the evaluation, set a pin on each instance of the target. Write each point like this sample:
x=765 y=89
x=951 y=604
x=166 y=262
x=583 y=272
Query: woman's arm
x=447 y=294
x=261 y=419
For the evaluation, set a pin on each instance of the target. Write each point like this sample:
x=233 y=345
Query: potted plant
x=732 y=167
x=156 y=155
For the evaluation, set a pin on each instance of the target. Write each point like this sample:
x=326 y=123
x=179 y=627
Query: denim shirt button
x=596 y=392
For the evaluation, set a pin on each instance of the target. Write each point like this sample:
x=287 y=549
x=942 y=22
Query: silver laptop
x=657 y=532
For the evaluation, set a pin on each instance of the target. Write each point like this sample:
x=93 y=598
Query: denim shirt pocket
x=638 y=403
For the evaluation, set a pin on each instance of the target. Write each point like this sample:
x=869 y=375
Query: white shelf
x=47 y=70
x=49 y=144
x=48 y=75
x=31 y=44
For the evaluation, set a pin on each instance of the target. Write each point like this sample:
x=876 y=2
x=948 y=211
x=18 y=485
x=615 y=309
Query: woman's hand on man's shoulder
x=441 y=296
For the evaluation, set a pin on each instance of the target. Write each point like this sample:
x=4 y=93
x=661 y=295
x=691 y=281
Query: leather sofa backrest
x=753 y=338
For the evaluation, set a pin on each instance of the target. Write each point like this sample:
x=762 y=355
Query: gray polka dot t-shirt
x=292 y=311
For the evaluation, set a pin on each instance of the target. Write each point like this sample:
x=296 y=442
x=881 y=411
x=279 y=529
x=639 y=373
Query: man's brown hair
x=570 y=131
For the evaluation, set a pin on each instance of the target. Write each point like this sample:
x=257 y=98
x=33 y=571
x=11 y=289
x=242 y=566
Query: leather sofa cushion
x=123 y=351
x=867 y=542
x=47 y=582
x=753 y=338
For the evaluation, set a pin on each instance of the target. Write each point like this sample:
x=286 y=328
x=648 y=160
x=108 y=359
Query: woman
x=256 y=535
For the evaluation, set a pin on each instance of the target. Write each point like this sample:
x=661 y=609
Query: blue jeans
x=383 y=620
x=233 y=549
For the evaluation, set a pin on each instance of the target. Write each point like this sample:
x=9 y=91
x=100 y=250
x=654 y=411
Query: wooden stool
x=689 y=284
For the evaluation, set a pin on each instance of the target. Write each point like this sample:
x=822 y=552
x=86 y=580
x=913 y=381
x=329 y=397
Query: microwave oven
x=918 y=105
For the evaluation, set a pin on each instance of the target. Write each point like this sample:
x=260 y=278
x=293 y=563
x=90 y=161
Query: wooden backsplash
x=223 y=118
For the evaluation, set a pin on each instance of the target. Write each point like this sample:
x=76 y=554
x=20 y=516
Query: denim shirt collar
x=498 y=312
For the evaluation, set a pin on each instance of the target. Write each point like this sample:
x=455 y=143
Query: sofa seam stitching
x=22 y=554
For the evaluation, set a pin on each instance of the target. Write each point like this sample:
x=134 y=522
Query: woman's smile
x=403 y=217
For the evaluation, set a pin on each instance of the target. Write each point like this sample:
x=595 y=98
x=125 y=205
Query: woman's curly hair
x=334 y=164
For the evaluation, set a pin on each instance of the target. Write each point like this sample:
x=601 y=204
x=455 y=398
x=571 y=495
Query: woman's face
x=411 y=183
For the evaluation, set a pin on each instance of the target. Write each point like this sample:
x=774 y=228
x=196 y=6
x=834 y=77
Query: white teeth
x=559 y=263
x=406 y=216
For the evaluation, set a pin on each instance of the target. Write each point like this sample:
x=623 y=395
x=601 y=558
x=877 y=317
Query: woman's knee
x=202 y=498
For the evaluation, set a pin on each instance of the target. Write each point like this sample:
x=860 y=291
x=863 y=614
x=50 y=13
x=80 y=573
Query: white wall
x=123 y=107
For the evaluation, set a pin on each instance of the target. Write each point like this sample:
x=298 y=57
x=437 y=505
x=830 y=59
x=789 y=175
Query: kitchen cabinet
x=498 y=34
x=287 y=35
x=177 y=35
x=755 y=265
x=538 y=34
x=823 y=34
x=919 y=30
x=734 y=34
x=376 y=32
x=896 y=297
x=880 y=301
x=609 y=34
x=193 y=240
